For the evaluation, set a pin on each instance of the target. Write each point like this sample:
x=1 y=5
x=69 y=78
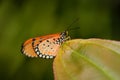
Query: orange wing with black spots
x=44 y=46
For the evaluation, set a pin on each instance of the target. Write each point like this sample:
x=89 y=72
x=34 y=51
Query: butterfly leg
x=68 y=38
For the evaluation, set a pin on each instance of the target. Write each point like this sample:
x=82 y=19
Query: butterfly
x=45 y=46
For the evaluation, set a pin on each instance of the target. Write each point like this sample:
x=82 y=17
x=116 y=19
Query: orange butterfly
x=44 y=46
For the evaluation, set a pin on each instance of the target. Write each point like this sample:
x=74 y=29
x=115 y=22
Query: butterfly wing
x=28 y=48
x=48 y=48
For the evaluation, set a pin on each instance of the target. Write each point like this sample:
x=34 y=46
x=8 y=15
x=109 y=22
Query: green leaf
x=88 y=59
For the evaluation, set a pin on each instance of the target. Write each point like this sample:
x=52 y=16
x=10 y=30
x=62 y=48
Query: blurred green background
x=23 y=19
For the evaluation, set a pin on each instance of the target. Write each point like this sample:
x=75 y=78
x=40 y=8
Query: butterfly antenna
x=74 y=28
x=72 y=24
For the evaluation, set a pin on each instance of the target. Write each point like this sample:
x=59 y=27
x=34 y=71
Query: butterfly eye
x=65 y=33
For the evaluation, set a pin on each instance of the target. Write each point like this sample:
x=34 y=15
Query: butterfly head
x=65 y=36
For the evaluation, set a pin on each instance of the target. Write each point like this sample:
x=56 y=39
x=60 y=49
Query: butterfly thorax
x=64 y=37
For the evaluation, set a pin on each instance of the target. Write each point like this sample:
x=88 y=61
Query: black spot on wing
x=48 y=46
x=47 y=40
x=33 y=40
x=40 y=41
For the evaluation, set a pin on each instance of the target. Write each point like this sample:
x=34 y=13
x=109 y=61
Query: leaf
x=88 y=59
